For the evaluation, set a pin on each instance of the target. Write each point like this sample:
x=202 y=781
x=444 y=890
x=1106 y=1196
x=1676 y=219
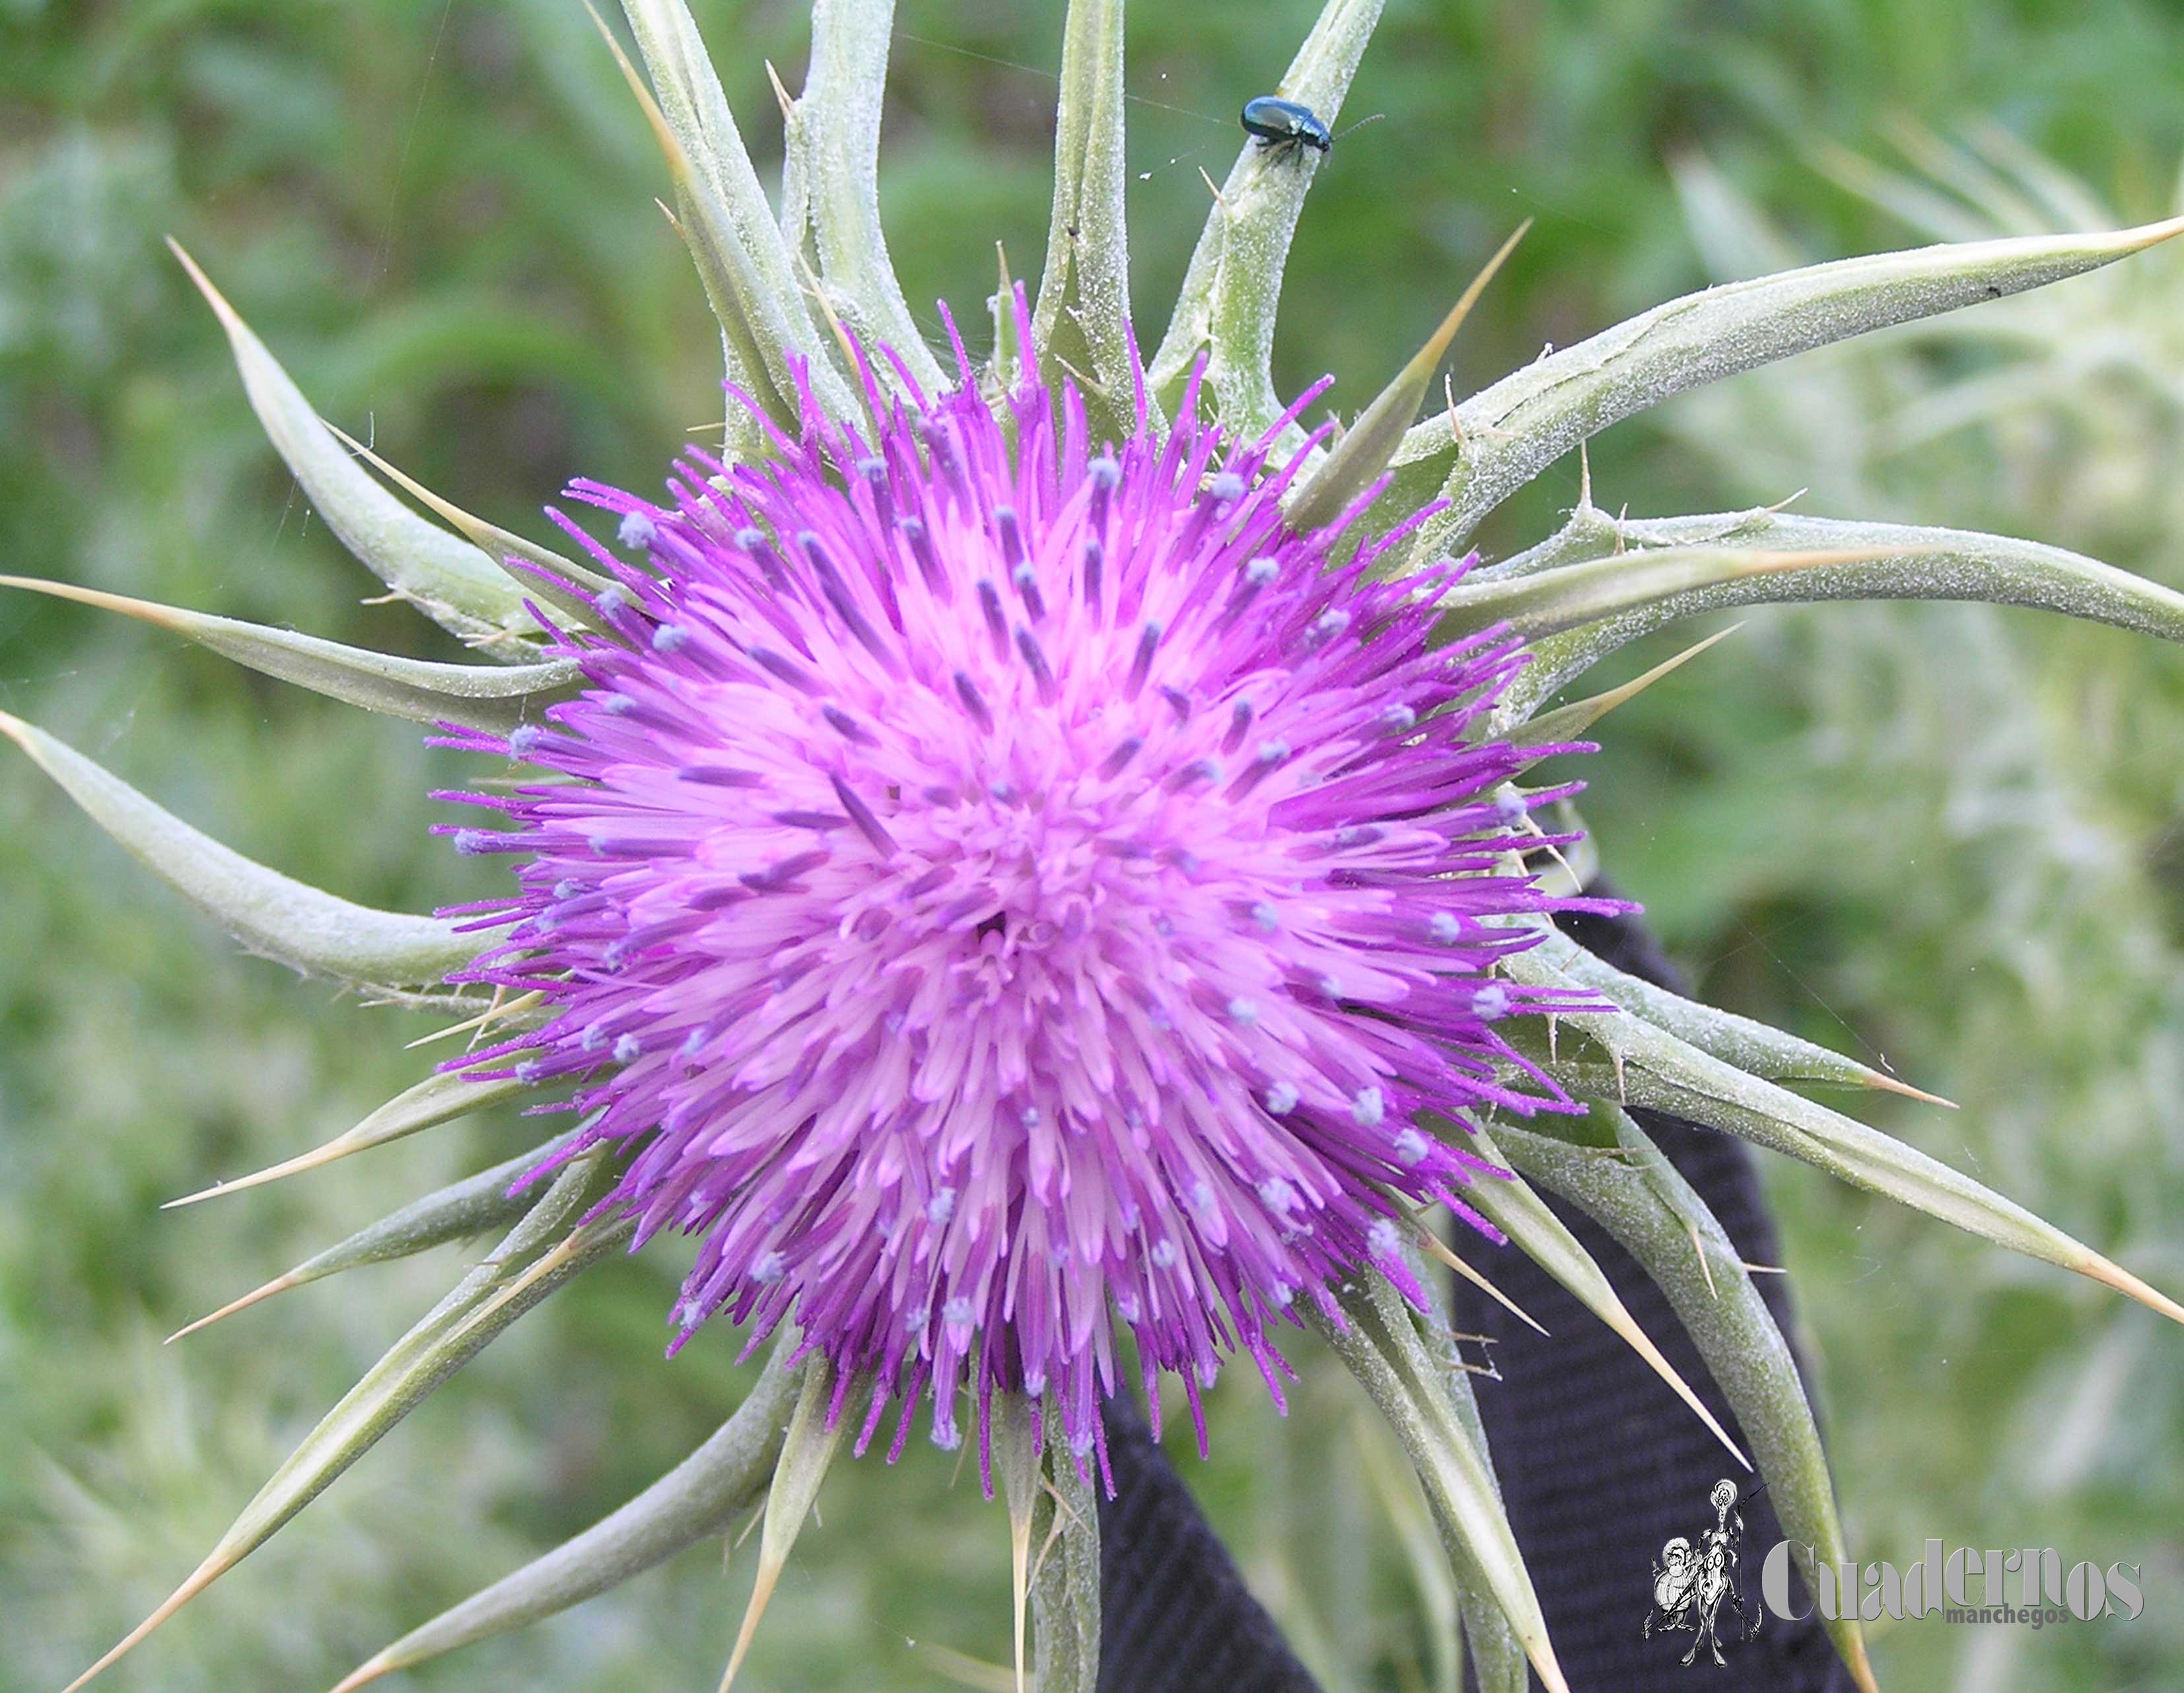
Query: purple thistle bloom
x=998 y=881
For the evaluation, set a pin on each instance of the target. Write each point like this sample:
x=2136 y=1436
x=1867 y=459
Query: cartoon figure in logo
x=1691 y=1583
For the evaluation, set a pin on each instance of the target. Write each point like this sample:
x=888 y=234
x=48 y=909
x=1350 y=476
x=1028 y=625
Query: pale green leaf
x=795 y=216
x=1016 y=1461
x=1567 y=723
x=700 y=1497
x=1500 y=438
x=1628 y=585
x=1355 y=462
x=1080 y=325
x=1511 y=1206
x=444 y=576
x=1065 y=1587
x=454 y=1212
x=840 y=112
x=1893 y=561
x=807 y=1453
x=1744 y=1042
x=1624 y=1059
x=270 y=914
x=1233 y=287
x=1497 y=1654
x=491 y=698
x=749 y=271
x=497 y=543
x=439 y=1098
x=1382 y=1347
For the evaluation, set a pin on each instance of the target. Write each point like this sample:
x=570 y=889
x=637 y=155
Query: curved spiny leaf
x=1511 y=1206
x=1500 y=438
x=437 y=1099
x=1497 y=1654
x=747 y=269
x=1080 y=325
x=527 y=1266
x=446 y=578
x=808 y=1446
x=1231 y=292
x=492 y=697
x=1014 y=1459
x=1565 y=723
x=497 y=543
x=486 y=1200
x=1629 y=585
x=1750 y=1045
x=1355 y=462
x=1381 y=1345
x=1637 y=1196
x=700 y=1496
x=1894 y=561
x=1618 y=1060
x=840 y=115
x=270 y=914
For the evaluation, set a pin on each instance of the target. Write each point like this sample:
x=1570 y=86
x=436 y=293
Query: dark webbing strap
x=1600 y=1465
x=1175 y=1616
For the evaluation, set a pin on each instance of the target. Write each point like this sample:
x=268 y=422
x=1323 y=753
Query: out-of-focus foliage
x=1948 y=836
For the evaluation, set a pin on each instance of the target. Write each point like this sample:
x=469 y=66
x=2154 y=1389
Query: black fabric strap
x=1174 y=1615
x=1600 y=1465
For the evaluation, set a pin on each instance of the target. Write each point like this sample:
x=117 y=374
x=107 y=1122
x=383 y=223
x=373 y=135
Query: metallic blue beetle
x=1284 y=125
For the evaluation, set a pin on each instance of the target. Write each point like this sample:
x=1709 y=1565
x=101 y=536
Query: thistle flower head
x=993 y=879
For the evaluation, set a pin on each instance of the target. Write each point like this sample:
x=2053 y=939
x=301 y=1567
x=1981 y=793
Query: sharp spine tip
x=279 y=1284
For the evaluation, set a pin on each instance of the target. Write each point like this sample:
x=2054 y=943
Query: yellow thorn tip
x=2115 y=1276
x=1642 y=1344
x=279 y=1284
x=1888 y=1083
x=200 y=1578
x=1439 y=1249
x=340 y=1147
x=364 y=1673
x=769 y=1572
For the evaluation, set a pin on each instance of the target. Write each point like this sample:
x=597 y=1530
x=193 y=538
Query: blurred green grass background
x=1950 y=837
